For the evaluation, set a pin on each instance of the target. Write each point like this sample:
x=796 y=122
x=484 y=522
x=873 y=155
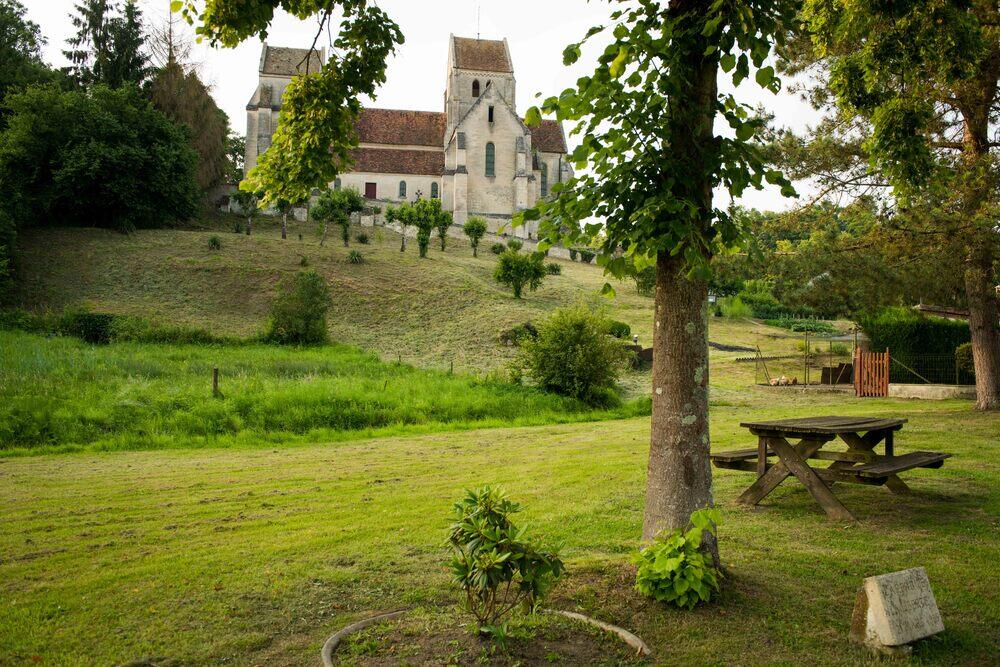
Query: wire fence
x=817 y=362
x=928 y=369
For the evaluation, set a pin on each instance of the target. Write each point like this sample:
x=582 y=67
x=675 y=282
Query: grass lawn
x=255 y=556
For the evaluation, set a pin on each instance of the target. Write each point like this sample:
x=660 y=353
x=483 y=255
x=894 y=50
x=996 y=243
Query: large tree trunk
x=984 y=325
x=679 y=479
x=284 y=225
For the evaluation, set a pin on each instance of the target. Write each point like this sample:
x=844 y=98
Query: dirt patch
x=444 y=636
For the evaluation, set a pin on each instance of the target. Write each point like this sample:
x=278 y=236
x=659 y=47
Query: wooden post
x=761 y=456
x=215 y=382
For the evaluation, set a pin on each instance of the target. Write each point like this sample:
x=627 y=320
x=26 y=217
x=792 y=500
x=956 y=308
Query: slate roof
x=396 y=126
x=398 y=161
x=548 y=137
x=284 y=61
x=489 y=55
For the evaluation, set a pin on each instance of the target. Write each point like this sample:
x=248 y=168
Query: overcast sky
x=536 y=31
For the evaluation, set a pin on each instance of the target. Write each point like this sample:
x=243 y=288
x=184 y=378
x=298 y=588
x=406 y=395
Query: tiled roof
x=395 y=126
x=489 y=55
x=548 y=137
x=393 y=161
x=284 y=61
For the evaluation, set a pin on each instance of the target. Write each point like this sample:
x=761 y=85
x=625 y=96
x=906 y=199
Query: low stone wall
x=933 y=392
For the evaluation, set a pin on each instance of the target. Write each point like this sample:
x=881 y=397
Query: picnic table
x=860 y=464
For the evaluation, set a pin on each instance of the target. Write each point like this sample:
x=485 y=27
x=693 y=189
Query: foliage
x=620 y=330
x=514 y=244
x=520 y=333
x=248 y=205
x=573 y=254
x=963 y=359
x=214 y=242
x=905 y=332
x=675 y=569
x=101 y=158
x=298 y=313
x=553 y=268
x=495 y=562
x=573 y=355
x=185 y=100
x=587 y=256
x=518 y=271
x=424 y=214
x=733 y=308
x=475 y=228
x=338 y=205
x=236 y=151
x=362 y=238
x=645 y=281
x=355 y=257
x=498 y=248
x=802 y=325
x=107 y=48
x=20 y=51
x=87 y=326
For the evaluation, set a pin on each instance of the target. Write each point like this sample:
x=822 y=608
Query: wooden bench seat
x=737 y=455
x=901 y=463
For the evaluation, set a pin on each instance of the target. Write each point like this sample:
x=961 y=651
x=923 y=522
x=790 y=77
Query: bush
x=362 y=238
x=519 y=334
x=518 y=271
x=619 y=329
x=763 y=305
x=802 y=325
x=87 y=326
x=906 y=332
x=553 y=269
x=963 y=360
x=587 y=256
x=495 y=563
x=734 y=308
x=645 y=281
x=515 y=244
x=675 y=570
x=572 y=254
x=574 y=356
x=214 y=242
x=475 y=228
x=298 y=313
x=498 y=248
x=355 y=257
x=131 y=329
x=104 y=327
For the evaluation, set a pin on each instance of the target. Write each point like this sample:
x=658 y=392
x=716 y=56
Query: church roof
x=396 y=126
x=548 y=137
x=398 y=161
x=284 y=61
x=489 y=55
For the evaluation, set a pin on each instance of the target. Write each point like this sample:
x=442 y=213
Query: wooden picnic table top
x=830 y=425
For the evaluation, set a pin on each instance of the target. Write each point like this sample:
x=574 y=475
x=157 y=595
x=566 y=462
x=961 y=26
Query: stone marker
x=892 y=610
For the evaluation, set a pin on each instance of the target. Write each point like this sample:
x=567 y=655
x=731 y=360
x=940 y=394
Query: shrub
x=87 y=326
x=515 y=244
x=645 y=281
x=495 y=563
x=763 y=305
x=587 y=256
x=237 y=227
x=214 y=242
x=802 y=325
x=519 y=334
x=475 y=228
x=905 y=332
x=964 y=362
x=498 y=248
x=734 y=308
x=355 y=257
x=619 y=329
x=553 y=269
x=298 y=313
x=518 y=271
x=127 y=328
x=572 y=254
x=675 y=570
x=362 y=238
x=574 y=356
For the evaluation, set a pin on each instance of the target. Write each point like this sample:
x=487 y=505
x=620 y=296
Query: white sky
x=537 y=31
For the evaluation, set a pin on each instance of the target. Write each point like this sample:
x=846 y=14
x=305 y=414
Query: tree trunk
x=322 y=237
x=346 y=233
x=402 y=244
x=475 y=250
x=284 y=225
x=984 y=315
x=679 y=475
x=249 y=225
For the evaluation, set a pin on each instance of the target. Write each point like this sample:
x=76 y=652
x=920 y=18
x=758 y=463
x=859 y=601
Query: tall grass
x=60 y=394
x=733 y=308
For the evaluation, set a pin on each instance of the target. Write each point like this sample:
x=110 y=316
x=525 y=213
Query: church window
x=490 y=159
x=402 y=189
x=475 y=88
x=545 y=179
x=491 y=114
x=434 y=190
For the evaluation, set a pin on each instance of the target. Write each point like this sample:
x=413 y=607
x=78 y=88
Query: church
x=476 y=155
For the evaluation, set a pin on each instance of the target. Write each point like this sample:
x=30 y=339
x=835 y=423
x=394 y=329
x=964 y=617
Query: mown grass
x=60 y=394
x=255 y=556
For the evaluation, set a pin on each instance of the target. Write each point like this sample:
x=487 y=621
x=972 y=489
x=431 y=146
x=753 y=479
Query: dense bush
x=88 y=326
x=104 y=327
x=553 y=268
x=619 y=329
x=475 y=228
x=518 y=271
x=734 y=308
x=517 y=335
x=674 y=568
x=587 y=256
x=574 y=356
x=802 y=325
x=362 y=238
x=763 y=305
x=572 y=254
x=298 y=313
x=964 y=362
x=515 y=244
x=214 y=242
x=495 y=563
x=906 y=332
x=498 y=248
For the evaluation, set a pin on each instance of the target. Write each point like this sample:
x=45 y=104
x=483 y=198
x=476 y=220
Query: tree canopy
x=107 y=47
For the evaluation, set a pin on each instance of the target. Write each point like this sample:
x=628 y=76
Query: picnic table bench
x=860 y=464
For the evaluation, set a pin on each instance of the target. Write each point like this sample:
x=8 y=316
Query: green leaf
x=727 y=62
x=618 y=64
x=176 y=5
x=533 y=118
x=745 y=131
x=764 y=76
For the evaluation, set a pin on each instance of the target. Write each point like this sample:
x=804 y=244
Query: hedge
x=905 y=332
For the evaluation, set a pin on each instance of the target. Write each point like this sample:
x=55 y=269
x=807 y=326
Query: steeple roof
x=489 y=55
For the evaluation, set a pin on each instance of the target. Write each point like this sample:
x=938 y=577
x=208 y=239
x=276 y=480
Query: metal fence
x=927 y=369
x=818 y=362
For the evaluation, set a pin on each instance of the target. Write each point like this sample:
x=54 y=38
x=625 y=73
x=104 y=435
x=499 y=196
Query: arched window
x=475 y=88
x=336 y=184
x=545 y=179
x=402 y=189
x=490 y=159
x=434 y=190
